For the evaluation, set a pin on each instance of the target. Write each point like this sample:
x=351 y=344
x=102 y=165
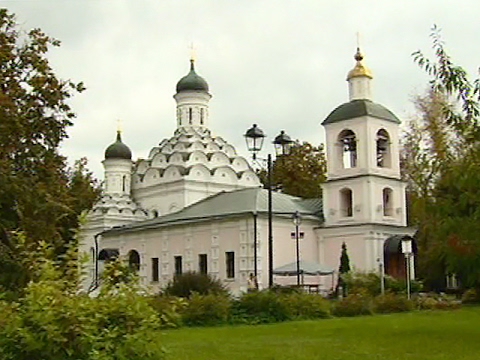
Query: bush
x=186 y=284
x=261 y=307
x=371 y=283
x=279 y=289
x=391 y=303
x=53 y=321
x=203 y=310
x=353 y=305
x=307 y=306
x=169 y=310
x=433 y=301
x=471 y=296
x=425 y=303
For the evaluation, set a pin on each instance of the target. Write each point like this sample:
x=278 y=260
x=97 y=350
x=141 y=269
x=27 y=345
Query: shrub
x=371 y=283
x=306 y=306
x=186 y=284
x=447 y=304
x=51 y=320
x=279 y=289
x=434 y=301
x=353 y=305
x=362 y=282
x=471 y=296
x=391 y=303
x=169 y=309
x=203 y=310
x=425 y=303
x=261 y=307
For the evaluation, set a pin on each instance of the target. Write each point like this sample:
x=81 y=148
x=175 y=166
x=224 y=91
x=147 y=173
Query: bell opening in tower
x=348 y=144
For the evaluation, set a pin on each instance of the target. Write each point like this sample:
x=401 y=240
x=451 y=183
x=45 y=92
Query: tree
x=462 y=110
x=429 y=145
x=450 y=198
x=344 y=261
x=39 y=195
x=343 y=269
x=300 y=173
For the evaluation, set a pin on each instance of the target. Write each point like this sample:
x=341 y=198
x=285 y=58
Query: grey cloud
x=281 y=64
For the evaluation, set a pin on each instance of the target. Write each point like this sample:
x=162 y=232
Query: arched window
x=387 y=202
x=383 y=149
x=134 y=260
x=190 y=116
x=201 y=116
x=348 y=149
x=346 y=203
x=155 y=213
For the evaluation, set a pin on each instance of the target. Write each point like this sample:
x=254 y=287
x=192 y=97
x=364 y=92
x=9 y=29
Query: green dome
x=118 y=150
x=357 y=108
x=192 y=81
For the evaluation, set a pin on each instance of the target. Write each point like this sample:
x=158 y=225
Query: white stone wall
x=215 y=238
x=365 y=129
x=118 y=176
x=192 y=108
x=364 y=244
x=367 y=193
x=360 y=88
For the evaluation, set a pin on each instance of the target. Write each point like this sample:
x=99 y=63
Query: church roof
x=118 y=150
x=192 y=81
x=358 y=108
x=234 y=203
x=360 y=68
x=117 y=204
x=194 y=147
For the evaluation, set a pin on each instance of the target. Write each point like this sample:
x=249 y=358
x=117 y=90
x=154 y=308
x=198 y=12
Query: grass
x=417 y=335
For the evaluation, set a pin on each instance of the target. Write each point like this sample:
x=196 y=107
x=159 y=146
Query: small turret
x=359 y=79
x=192 y=99
x=118 y=168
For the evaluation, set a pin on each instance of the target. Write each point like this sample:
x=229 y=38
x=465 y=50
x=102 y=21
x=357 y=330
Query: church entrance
x=394 y=259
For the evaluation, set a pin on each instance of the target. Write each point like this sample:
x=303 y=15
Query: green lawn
x=420 y=335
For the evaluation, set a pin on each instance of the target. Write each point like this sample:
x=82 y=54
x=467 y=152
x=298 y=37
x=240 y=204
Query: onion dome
x=118 y=150
x=192 y=81
x=360 y=69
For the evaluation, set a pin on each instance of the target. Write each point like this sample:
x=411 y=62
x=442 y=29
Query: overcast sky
x=278 y=63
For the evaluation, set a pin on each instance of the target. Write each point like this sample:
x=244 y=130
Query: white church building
x=194 y=205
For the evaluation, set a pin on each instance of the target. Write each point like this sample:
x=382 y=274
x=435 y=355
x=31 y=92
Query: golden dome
x=359 y=69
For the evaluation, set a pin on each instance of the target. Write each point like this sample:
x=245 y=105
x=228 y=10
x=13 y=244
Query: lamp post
x=407 y=251
x=382 y=276
x=297 y=220
x=254 y=138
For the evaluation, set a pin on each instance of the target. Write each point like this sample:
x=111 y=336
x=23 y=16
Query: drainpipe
x=255 y=242
x=94 y=284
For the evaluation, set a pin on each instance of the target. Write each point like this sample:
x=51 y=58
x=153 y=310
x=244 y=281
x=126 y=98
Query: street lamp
x=296 y=221
x=382 y=276
x=254 y=138
x=407 y=251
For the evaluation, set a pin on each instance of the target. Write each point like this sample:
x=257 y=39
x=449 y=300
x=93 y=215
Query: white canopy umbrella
x=306 y=268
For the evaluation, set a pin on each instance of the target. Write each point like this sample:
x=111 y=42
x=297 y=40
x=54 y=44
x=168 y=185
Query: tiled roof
x=234 y=203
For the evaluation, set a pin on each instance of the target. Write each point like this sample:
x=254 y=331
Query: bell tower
x=364 y=184
x=364 y=203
